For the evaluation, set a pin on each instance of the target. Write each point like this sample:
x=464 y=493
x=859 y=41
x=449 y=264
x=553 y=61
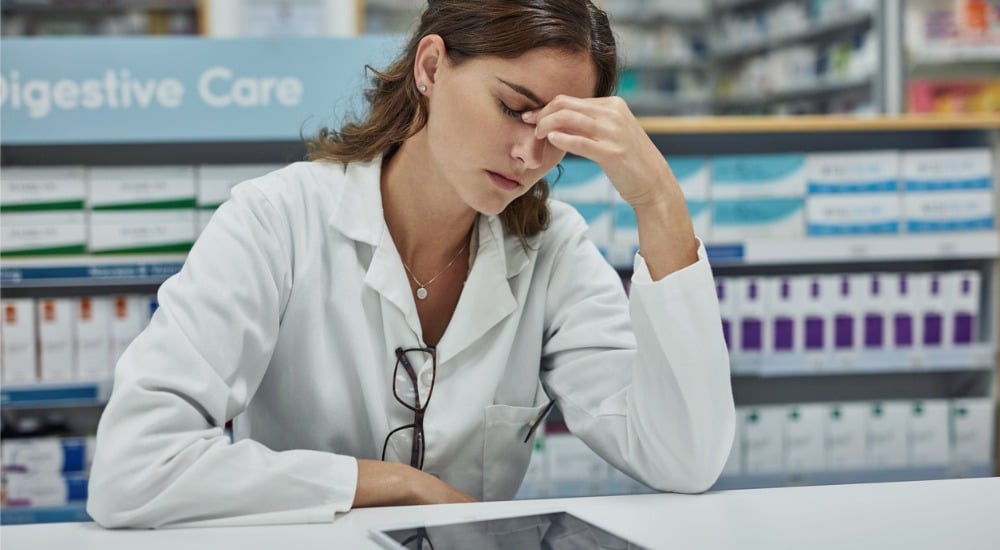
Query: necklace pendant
x=421 y=293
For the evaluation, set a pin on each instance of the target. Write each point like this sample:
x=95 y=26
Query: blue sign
x=173 y=89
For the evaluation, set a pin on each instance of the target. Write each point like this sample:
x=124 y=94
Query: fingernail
x=528 y=116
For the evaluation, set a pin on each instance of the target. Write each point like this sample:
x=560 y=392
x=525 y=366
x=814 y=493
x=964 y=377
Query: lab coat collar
x=487 y=298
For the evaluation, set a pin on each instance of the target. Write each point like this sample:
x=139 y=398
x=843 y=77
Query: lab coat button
x=427 y=377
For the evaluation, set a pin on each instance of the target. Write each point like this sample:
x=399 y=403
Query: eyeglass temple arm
x=538 y=420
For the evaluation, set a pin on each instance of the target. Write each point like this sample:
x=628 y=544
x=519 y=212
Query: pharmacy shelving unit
x=389 y=16
x=656 y=79
x=970 y=372
x=728 y=57
x=664 y=51
x=112 y=17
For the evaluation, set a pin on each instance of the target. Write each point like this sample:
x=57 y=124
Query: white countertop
x=962 y=513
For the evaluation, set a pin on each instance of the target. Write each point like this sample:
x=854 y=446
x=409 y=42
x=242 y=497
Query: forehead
x=545 y=71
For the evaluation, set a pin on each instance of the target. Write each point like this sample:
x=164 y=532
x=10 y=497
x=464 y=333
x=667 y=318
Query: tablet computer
x=548 y=530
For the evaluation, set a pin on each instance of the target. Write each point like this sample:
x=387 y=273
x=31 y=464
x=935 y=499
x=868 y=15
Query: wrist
x=655 y=202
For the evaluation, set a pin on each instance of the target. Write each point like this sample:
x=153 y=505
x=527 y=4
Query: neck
x=428 y=221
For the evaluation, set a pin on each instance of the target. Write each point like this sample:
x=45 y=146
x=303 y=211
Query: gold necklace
x=422 y=287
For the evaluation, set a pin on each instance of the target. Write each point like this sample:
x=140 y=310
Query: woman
x=386 y=322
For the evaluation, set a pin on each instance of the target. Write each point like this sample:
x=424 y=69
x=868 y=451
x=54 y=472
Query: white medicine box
x=18 y=337
x=42 y=188
x=845 y=436
x=763 y=435
x=804 y=443
x=118 y=187
x=972 y=431
x=927 y=433
x=56 y=334
x=886 y=434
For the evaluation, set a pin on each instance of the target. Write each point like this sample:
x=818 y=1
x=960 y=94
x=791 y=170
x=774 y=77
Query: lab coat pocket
x=505 y=453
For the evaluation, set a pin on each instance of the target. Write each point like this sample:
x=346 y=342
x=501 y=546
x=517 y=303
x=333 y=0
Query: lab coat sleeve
x=644 y=383
x=162 y=455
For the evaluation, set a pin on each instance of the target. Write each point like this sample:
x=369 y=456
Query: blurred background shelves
x=757 y=481
x=815 y=31
x=14 y=515
x=976 y=357
x=824 y=250
x=55 y=394
x=88 y=271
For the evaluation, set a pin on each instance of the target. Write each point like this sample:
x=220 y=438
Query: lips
x=503 y=181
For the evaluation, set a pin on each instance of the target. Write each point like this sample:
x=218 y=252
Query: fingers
x=583 y=127
x=594 y=107
x=569 y=122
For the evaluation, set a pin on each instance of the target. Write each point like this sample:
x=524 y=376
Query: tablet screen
x=553 y=530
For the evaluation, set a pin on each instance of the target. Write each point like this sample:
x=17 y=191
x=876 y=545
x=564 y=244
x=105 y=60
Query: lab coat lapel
x=386 y=276
x=359 y=216
x=487 y=298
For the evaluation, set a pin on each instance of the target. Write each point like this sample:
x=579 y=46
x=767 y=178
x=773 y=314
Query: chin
x=489 y=205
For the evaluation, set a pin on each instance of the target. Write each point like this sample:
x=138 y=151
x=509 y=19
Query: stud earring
x=423 y=88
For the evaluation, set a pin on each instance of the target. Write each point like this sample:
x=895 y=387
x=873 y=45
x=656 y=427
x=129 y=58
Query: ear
x=430 y=57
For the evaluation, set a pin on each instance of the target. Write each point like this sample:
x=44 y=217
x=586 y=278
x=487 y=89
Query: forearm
x=666 y=237
x=381 y=484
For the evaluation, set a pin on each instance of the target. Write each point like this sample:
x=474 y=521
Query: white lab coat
x=286 y=316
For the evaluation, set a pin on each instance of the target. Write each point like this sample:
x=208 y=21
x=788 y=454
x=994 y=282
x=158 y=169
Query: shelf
x=959 y=53
x=61 y=7
x=836 y=250
x=89 y=271
x=727 y=5
x=817 y=123
x=971 y=358
x=648 y=14
x=663 y=102
x=798 y=92
x=813 y=32
x=55 y=394
x=56 y=514
x=959 y=245
x=756 y=481
x=668 y=65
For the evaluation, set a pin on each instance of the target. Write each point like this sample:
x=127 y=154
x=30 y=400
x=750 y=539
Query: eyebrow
x=525 y=92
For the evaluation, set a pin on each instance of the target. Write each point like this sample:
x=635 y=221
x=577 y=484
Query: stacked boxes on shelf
x=758 y=196
x=112 y=210
x=948 y=190
x=793 y=196
x=46 y=471
x=146 y=209
x=881 y=435
x=853 y=194
x=798 y=439
x=43 y=210
x=730 y=198
x=77 y=339
x=863 y=322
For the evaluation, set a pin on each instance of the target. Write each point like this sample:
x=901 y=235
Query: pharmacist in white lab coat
x=388 y=322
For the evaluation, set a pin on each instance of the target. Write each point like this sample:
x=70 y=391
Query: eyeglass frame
x=418 y=444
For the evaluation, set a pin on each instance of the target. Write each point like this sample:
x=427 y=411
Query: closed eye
x=510 y=112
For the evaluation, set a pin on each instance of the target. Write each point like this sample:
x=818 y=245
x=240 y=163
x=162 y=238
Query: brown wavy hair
x=472 y=28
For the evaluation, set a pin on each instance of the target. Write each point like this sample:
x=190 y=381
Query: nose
x=527 y=148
